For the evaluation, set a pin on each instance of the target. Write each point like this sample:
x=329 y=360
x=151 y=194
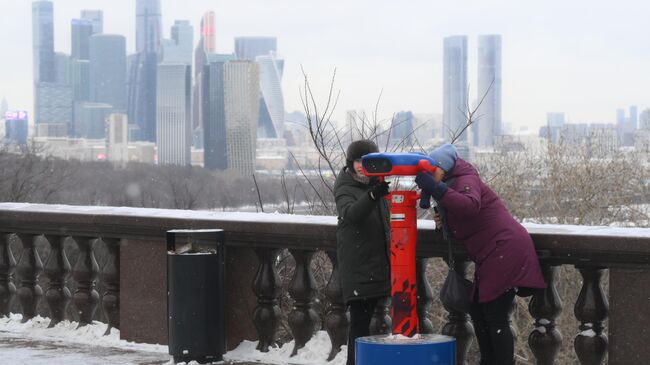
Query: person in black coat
x=363 y=241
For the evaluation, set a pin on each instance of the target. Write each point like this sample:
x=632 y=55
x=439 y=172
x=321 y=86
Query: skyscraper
x=148 y=26
x=143 y=70
x=96 y=18
x=215 y=155
x=90 y=119
x=205 y=47
x=82 y=29
x=53 y=104
x=43 y=41
x=263 y=50
x=626 y=126
x=173 y=132
x=454 y=87
x=178 y=49
x=108 y=70
x=488 y=124
x=271 y=119
x=62 y=70
x=402 y=128
x=241 y=99
x=248 y=48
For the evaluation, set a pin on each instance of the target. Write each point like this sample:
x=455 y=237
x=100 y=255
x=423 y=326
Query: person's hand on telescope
x=428 y=185
x=379 y=190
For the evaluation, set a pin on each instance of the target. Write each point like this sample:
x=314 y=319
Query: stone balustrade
x=127 y=289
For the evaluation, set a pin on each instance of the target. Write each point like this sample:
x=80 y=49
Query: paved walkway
x=15 y=350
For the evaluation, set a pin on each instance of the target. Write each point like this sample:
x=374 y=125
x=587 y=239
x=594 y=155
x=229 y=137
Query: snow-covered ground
x=35 y=344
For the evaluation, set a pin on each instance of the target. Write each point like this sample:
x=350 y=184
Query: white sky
x=585 y=58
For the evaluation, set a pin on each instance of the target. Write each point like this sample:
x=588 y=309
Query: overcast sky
x=581 y=57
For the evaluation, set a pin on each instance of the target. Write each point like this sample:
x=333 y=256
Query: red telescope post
x=403 y=238
x=403 y=233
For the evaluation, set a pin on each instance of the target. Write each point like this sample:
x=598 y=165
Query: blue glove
x=429 y=186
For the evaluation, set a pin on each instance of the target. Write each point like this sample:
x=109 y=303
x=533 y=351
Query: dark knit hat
x=358 y=149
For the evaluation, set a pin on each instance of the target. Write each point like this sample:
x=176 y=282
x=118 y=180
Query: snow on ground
x=66 y=331
x=35 y=344
x=315 y=352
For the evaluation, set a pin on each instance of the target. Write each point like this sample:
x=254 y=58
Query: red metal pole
x=403 y=237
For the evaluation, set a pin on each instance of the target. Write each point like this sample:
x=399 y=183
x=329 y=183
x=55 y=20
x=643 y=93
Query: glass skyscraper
x=214 y=114
x=488 y=124
x=81 y=30
x=143 y=70
x=108 y=70
x=454 y=87
x=173 y=123
x=263 y=50
x=43 y=41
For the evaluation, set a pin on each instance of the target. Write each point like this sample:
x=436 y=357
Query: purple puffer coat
x=500 y=247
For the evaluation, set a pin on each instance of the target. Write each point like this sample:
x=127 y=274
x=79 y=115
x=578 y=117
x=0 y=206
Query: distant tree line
x=28 y=176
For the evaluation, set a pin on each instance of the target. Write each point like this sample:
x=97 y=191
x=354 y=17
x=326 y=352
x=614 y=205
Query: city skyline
x=406 y=61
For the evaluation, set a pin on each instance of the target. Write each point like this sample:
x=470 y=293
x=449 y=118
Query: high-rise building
x=454 y=87
x=16 y=122
x=82 y=29
x=53 y=103
x=241 y=98
x=214 y=115
x=43 y=41
x=626 y=126
x=205 y=47
x=108 y=70
x=401 y=129
x=148 y=26
x=80 y=79
x=248 y=48
x=96 y=18
x=644 y=120
x=271 y=119
x=117 y=140
x=634 y=117
x=173 y=129
x=488 y=124
x=143 y=70
x=178 y=49
x=263 y=50
x=555 y=122
x=62 y=62
x=90 y=119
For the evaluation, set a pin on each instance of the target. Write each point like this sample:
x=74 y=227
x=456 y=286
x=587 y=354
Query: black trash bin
x=195 y=295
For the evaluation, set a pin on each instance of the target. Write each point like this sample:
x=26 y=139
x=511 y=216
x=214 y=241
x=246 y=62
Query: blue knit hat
x=445 y=156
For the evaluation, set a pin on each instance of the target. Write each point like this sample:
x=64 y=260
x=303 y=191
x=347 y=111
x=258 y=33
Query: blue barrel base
x=395 y=350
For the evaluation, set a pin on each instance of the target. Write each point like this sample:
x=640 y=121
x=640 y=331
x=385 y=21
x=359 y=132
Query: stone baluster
x=591 y=310
x=57 y=270
x=336 y=321
x=85 y=273
x=545 y=306
x=111 y=280
x=424 y=296
x=266 y=287
x=29 y=269
x=458 y=325
x=381 y=323
x=7 y=267
x=302 y=319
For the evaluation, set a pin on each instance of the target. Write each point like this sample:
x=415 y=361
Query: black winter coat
x=363 y=240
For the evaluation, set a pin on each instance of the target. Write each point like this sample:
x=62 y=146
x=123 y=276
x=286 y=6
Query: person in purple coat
x=506 y=263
